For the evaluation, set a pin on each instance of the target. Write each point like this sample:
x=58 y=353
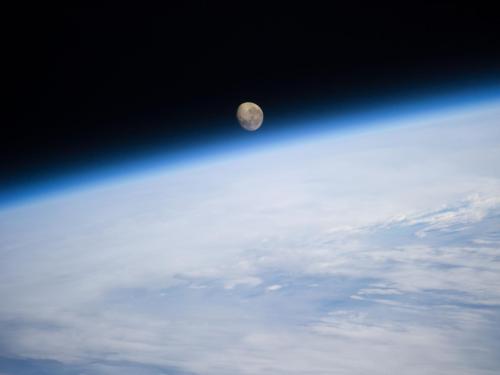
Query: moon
x=250 y=116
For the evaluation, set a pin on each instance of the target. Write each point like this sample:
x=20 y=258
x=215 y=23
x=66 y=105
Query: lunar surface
x=250 y=116
x=371 y=250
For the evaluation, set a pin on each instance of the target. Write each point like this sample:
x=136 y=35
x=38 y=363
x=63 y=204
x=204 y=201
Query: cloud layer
x=375 y=252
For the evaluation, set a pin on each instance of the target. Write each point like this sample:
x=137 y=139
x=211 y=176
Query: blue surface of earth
x=370 y=251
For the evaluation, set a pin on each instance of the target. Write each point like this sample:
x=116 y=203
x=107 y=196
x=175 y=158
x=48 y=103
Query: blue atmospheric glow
x=371 y=231
x=383 y=114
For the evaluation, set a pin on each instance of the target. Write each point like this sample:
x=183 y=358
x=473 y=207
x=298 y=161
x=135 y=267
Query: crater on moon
x=250 y=116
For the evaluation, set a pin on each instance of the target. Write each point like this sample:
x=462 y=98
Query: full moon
x=250 y=116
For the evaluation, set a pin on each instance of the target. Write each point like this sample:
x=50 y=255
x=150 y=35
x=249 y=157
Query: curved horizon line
x=353 y=120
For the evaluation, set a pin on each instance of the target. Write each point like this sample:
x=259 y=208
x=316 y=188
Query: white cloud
x=274 y=287
x=177 y=269
x=246 y=281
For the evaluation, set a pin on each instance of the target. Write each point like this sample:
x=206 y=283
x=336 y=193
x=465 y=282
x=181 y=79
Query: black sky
x=87 y=83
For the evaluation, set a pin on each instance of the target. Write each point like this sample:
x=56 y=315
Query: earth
x=374 y=250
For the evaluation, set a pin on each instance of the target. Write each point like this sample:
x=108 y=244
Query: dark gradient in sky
x=321 y=120
x=90 y=84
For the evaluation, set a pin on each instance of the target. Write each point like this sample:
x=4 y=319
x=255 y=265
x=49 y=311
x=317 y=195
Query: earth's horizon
x=372 y=252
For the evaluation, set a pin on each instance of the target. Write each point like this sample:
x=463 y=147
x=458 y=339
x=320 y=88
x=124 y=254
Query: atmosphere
x=363 y=117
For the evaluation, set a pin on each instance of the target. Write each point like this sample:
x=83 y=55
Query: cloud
x=387 y=243
x=27 y=366
x=246 y=281
x=455 y=218
x=274 y=287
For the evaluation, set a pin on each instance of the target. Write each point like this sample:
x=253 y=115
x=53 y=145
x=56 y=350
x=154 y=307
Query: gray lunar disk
x=250 y=116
